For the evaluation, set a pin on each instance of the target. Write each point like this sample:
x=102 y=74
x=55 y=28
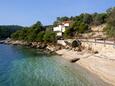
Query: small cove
x=21 y=66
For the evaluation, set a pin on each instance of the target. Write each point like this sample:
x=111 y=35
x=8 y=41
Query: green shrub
x=83 y=28
x=15 y=35
x=49 y=37
x=40 y=36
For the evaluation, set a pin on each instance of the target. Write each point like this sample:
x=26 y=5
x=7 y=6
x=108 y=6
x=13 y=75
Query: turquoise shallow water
x=20 y=66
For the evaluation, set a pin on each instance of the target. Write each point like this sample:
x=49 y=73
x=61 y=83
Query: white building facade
x=60 y=29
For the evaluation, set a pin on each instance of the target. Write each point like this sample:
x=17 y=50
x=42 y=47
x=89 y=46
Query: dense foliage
x=79 y=25
x=76 y=28
x=60 y=20
x=6 y=31
x=49 y=37
x=36 y=32
x=110 y=29
x=90 y=19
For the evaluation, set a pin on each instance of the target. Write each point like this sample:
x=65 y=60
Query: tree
x=49 y=37
x=36 y=32
x=60 y=20
x=7 y=30
x=111 y=18
x=110 y=29
x=33 y=31
x=40 y=36
x=75 y=25
x=15 y=35
x=87 y=18
x=20 y=34
x=37 y=25
x=83 y=28
x=99 y=18
x=31 y=35
x=69 y=32
x=79 y=27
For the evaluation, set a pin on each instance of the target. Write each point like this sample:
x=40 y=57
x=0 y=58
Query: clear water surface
x=21 y=66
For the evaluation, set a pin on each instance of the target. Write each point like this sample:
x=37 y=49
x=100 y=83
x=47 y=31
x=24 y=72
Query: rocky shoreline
x=49 y=48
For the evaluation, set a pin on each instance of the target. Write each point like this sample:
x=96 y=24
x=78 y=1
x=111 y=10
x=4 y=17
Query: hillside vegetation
x=37 y=32
x=7 y=30
x=79 y=25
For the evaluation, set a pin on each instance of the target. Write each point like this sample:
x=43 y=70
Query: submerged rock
x=74 y=60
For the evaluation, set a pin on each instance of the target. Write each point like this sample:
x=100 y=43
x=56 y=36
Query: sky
x=27 y=12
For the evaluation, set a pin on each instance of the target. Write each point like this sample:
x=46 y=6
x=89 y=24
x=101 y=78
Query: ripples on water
x=24 y=67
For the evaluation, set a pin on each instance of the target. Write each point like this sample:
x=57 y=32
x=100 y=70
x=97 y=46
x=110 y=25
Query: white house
x=60 y=29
